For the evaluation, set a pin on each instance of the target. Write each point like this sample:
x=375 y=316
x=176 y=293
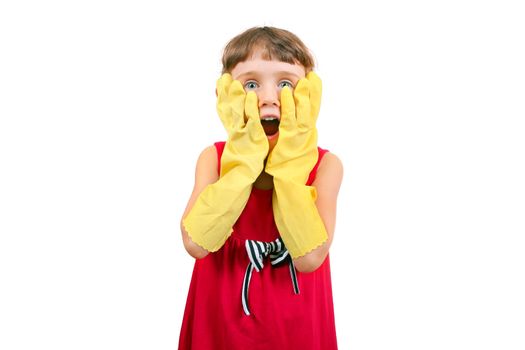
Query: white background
x=105 y=106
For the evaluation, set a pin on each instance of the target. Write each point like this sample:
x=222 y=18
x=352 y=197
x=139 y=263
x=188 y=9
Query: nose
x=268 y=96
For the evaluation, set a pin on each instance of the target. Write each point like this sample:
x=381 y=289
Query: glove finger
x=251 y=109
x=316 y=88
x=223 y=108
x=224 y=82
x=302 y=104
x=250 y=106
x=236 y=97
x=288 y=120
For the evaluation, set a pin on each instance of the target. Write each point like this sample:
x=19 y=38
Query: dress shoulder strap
x=313 y=173
x=220 y=148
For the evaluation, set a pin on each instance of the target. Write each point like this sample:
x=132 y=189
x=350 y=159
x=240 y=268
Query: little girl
x=261 y=217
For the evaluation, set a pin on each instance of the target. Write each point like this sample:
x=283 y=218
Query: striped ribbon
x=257 y=251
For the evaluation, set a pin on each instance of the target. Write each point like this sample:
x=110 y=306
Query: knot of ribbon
x=257 y=251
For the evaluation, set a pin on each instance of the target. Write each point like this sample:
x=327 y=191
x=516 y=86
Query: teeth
x=269 y=118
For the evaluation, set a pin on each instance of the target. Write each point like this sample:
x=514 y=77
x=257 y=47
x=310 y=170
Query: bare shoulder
x=209 y=154
x=206 y=170
x=330 y=172
x=205 y=173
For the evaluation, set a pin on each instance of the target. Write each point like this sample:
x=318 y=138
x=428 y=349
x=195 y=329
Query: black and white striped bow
x=257 y=251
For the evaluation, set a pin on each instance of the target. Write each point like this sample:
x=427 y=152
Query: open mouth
x=270 y=125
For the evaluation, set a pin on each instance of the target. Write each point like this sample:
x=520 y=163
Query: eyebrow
x=281 y=72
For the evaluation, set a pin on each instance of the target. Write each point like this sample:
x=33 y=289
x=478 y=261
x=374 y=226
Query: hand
x=295 y=153
x=247 y=145
x=291 y=162
x=210 y=221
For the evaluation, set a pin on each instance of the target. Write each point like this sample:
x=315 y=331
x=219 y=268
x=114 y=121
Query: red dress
x=214 y=318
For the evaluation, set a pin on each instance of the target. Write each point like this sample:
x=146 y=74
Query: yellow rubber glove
x=291 y=162
x=209 y=223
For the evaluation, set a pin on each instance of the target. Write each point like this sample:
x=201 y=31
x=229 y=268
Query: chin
x=272 y=139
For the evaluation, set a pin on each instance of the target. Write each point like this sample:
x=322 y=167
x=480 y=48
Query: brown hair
x=275 y=43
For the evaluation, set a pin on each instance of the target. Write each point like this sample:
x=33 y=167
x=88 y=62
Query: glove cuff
x=297 y=217
x=210 y=221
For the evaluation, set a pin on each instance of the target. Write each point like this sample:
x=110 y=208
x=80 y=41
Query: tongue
x=270 y=126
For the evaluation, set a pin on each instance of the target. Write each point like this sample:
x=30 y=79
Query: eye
x=285 y=83
x=250 y=85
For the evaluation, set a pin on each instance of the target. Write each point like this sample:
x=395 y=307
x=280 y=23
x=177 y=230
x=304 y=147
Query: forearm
x=191 y=247
x=313 y=260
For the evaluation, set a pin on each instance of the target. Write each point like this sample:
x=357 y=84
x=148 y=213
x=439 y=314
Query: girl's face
x=266 y=78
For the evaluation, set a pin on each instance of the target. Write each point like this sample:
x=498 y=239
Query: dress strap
x=313 y=173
